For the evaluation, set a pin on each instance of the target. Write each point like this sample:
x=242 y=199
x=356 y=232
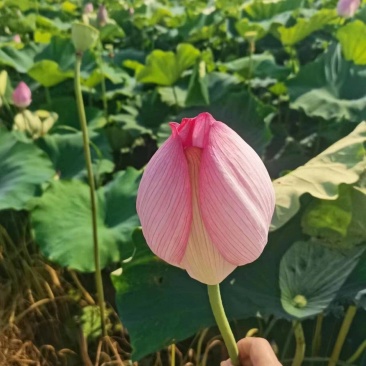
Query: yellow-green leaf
x=165 y=68
x=48 y=73
x=304 y=27
x=352 y=38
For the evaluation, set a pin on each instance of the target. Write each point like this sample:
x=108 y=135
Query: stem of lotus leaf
x=300 y=343
x=347 y=321
x=93 y=201
x=222 y=322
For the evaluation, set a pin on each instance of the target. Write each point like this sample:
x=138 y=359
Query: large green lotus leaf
x=48 y=73
x=153 y=111
x=243 y=112
x=65 y=107
x=304 y=27
x=259 y=65
x=330 y=87
x=343 y=162
x=264 y=9
x=61 y=51
x=340 y=223
x=61 y=221
x=24 y=168
x=91 y=79
x=178 y=306
x=67 y=154
x=352 y=38
x=311 y=276
x=21 y=60
x=165 y=68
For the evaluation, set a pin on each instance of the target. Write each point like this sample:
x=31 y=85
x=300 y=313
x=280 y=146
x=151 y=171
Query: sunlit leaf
x=266 y=9
x=304 y=27
x=165 y=68
x=48 y=73
x=352 y=38
x=343 y=162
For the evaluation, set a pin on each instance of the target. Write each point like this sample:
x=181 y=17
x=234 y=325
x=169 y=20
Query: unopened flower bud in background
x=102 y=15
x=347 y=8
x=17 y=39
x=88 y=8
x=22 y=95
x=35 y=124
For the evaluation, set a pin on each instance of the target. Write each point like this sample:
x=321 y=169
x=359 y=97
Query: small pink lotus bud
x=102 y=15
x=131 y=11
x=347 y=8
x=206 y=200
x=17 y=39
x=88 y=8
x=22 y=95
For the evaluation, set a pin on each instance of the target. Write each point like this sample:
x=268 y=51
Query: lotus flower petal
x=202 y=259
x=236 y=196
x=164 y=202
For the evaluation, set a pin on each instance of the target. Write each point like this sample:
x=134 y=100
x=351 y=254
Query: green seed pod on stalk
x=83 y=36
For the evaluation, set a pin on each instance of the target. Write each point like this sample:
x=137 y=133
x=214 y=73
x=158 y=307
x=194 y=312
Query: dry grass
x=37 y=311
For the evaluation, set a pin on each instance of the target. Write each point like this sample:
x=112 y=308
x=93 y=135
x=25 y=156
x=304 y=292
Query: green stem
x=7 y=106
x=347 y=321
x=103 y=85
x=175 y=99
x=84 y=129
x=48 y=95
x=317 y=339
x=358 y=353
x=300 y=343
x=222 y=322
x=172 y=360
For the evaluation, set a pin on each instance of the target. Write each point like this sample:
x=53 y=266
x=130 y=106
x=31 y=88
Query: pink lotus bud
x=205 y=200
x=102 y=15
x=131 y=11
x=347 y=8
x=22 y=95
x=88 y=8
x=17 y=39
